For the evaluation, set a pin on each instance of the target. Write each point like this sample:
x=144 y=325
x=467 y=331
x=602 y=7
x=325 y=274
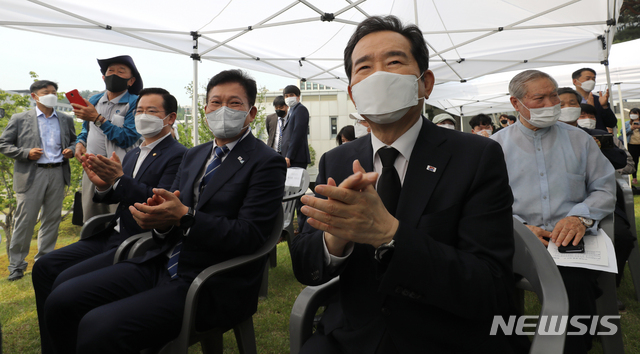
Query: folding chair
x=531 y=260
x=634 y=257
x=211 y=340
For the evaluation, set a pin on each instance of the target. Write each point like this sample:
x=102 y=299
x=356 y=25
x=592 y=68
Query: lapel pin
x=240 y=159
x=431 y=168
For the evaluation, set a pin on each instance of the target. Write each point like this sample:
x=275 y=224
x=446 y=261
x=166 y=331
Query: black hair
x=480 y=119
x=388 y=23
x=563 y=90
x=40 y=84
x=169 y=103
x=588 y=109
x=634 y=110
x=348 y=132
x=279 y=101
x=291 y=89
x=576 y=74
x=238 y=76
x=512 y=118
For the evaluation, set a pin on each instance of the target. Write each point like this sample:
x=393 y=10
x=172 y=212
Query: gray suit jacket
x=272 y=128
x=23 y=134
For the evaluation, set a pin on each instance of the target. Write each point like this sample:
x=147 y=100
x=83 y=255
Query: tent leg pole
x=194 y=104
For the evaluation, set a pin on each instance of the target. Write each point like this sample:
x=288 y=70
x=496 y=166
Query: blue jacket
x=124 y=136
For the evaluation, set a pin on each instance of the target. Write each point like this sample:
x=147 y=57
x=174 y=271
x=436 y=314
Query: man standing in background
x=275 y=123
x=109 y=122
x=41 y=141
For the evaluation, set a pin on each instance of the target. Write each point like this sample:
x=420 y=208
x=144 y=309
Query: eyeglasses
x=148 y=111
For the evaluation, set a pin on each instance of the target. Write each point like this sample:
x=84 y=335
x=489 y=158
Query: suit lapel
x=194 y=168
x=152 y=156
x=237 y=158
x=128 y=165
x=365 y=153
x=426 y=165
x=63 y=130
x=36 y=127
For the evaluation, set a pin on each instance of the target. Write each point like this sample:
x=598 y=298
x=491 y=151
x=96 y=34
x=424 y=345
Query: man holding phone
x=109 y=122
x=41 y=143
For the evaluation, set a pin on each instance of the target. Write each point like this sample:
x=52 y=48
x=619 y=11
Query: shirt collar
x=154 y=144
x=404 y=144
x=105 y=98
x=232 y=144
x=40 y=113
x=528 y=132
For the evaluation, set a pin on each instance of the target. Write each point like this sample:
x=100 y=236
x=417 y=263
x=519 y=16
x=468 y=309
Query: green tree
x=12 y=104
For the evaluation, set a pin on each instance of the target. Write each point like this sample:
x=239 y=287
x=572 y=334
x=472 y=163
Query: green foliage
x=312 y=155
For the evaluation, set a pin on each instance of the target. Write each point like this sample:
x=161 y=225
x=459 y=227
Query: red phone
x=74 y=97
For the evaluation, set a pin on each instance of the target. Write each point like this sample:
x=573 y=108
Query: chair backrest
x=95 y=224
x=532 y=260
x=292 y=193
x=623 y=183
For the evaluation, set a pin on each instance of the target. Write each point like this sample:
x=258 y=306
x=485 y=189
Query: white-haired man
x=562 y=184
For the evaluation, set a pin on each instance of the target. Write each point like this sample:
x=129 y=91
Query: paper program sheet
x=599 y=254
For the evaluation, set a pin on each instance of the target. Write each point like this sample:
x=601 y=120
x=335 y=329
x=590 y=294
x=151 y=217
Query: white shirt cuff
x=335 y=261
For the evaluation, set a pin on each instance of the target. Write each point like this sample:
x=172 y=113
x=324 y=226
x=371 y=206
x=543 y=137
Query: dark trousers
x=123 y=308
x=623 y=245
x=582 y=290
x=301 y=217
x=634 y=150
x=63 y=264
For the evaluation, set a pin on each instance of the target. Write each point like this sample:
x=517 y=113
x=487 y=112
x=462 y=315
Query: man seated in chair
x=424 y=252
x=562 y=184
x=223 y=204
x=153 y=164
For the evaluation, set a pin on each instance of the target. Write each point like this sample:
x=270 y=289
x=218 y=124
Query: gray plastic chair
x=94 y=224
x=211 y=340
x=634 y=257
x=531 y=260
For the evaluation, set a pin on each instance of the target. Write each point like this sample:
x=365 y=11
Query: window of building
x=334 y=127
x=322 y=87
x=308 y=86
x=315 y=86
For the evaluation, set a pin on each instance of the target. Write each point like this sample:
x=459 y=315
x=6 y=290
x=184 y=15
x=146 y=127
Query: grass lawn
x=20 y=328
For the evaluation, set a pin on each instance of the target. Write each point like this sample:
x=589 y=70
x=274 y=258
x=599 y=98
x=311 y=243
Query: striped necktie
x=279 y=149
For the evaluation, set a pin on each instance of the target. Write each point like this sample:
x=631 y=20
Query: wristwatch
x=586 y=221
x=385 y=250
x=98 y=122
x=188 y=219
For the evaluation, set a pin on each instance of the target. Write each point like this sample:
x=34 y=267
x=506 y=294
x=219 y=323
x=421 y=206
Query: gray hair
x=518 y=85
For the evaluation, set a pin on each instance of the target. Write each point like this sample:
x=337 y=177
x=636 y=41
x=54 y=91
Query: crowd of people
x=416 y=220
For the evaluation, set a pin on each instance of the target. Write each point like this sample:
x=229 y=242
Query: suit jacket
x=294 y=136
x=157 y=171
x=23 y=134
x=451 y=270
x=604 y=117
x=272 y=128
x=234 y=216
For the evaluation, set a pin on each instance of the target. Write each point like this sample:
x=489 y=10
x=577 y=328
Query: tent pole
x=461 y=120
x=606 y=68
x=195 y=113
x=624 y=129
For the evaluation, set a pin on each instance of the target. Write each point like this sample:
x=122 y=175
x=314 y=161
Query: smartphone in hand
x=74 y=97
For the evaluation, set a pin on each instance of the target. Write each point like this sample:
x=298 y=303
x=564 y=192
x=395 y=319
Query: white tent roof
x=490 y=94
x=467 y=38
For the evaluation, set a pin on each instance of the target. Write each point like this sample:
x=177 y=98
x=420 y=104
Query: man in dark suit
x=225 y=200
x=424 y=253
x=585 y=81
x=295 y=147
x=41 y=143
x=153 y=164
x=275 y=123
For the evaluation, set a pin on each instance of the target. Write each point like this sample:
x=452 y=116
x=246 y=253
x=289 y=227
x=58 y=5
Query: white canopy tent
x=490 y=94
x=305 y=39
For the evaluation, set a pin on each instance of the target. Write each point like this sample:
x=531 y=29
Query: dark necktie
x=172 y=266
x=279 y=149
x=389 y=185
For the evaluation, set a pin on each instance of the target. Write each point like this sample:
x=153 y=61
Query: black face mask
x=281 y=113
x=504 y=121
x=115 y=83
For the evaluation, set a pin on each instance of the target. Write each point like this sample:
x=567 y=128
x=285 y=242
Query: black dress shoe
x=15 y=275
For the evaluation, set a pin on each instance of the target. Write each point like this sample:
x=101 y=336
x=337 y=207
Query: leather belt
x=49 y=165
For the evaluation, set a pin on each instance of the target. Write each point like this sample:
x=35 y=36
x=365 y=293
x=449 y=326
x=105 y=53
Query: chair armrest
x=123 y=250
x=144 y=243
x=304 y=311
x=92 y=224
x=189 y=319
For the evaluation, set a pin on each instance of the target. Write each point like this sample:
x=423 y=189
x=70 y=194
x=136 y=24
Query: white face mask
x=588 y=85
x=587 y=123
x=448 y=126
x=634 y=116
x=385 y=97
x=360 y=130
x=149 y=125
x=543 y=117
x=225 y=123
x=291 y=101
x=570 y=114
x=49 y=100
